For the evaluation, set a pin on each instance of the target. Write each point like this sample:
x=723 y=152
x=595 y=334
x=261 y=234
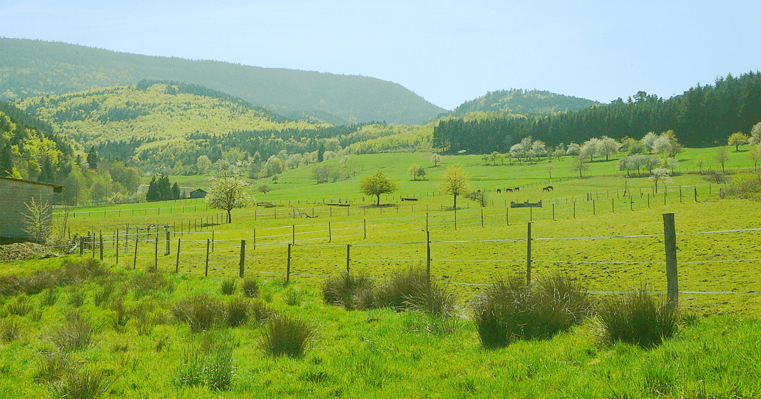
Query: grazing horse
x=517 y=189
x=548 y=188
x=499 y=190
x=508 y=190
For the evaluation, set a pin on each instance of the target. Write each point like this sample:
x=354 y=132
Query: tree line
x=702 y=116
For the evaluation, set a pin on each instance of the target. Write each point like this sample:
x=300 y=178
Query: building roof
x=31 y=182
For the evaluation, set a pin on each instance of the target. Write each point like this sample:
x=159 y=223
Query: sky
x=447 y=52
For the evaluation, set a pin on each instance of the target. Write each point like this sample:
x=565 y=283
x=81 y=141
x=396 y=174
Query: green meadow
x=604 y=231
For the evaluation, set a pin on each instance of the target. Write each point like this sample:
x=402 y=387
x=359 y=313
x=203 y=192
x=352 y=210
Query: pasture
x=586 y=228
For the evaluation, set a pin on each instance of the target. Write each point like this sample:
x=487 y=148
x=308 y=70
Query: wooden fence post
x=177 y=263
x=428 y=254
x=156 y=254
x=206 y=272
x=330 y=233
x=101 y=245
x=348 y=257
x=134 y=261
x=528 y=256
x=364 y=224
x=288 y=266
x=242 y=258
x=669 y=239
x=168 y=237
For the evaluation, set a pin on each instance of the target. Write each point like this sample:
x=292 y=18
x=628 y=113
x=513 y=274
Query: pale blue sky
x=445 y=51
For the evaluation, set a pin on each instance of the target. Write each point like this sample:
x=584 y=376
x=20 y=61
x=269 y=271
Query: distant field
x=720 y=263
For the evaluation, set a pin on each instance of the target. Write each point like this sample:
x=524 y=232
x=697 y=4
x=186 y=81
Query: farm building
x=14 y=194
x=184 y=191
x=198 y=193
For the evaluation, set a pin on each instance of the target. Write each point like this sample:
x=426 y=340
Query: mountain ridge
x=38 y=68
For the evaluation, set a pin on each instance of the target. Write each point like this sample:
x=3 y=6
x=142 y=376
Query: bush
x=286 y=336
x=746 y=185
x=638 y=318
x=510 y=310
x=200 y=311
x=432 y=299
x=228 y=286
x=342 y=291
x=250 y=286
x=76 y=332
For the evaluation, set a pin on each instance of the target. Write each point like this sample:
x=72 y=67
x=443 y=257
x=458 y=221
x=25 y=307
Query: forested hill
x=28 y=147
x=517 y=101
x=35 y=68
x=701 y=116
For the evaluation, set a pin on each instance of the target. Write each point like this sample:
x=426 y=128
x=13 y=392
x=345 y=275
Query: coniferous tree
x=175 y=191
x=92 y=158
x=6 y=162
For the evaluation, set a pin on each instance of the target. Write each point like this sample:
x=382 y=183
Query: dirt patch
x=11 y=251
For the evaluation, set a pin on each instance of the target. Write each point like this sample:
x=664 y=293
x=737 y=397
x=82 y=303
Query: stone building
x=14 y=194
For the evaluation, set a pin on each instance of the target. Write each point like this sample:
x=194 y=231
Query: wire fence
x=313 y=251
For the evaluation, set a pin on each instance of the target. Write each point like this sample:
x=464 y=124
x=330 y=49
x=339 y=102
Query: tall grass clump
x=208 y=365
x=19 y=307
x=237 y=311
x=70 y=273
x=76 y=332
x=229 y=286
x=403 y=285
x=10 y=329
x=250 y=287
x=286 y=336
x=200 y=311
x=510 y=310
x=343 y=291
x=638 y=318
x=82 y=383
x=150 y=283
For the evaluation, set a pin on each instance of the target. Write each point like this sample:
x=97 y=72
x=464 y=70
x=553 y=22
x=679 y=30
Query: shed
x=198 y=193
x=14 y=195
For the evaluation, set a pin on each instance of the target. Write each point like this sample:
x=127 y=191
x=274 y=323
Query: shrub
x=250 y=286
x=228 y=286
x=638 y=318
x=745 y=185
x=76 y=332
x=342 y=290
x=236 y=312
x=121 y=316
x=200 y=311
x=510 y=310
x=286 y=336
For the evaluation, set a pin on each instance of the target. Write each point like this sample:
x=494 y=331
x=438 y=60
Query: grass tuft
x=286 y=336
x=342 y=291
x=76 y=332
x=200 y=311
x=510 y=310
x=229 y=286
x=250 y=287
x=638 y=318
x=210 y=366
x=237 y=311
x=10 y=329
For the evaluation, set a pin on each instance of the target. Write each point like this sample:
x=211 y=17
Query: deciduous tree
x=227 y=193
x=738 y=138
x=378 y=184
x=455 y=181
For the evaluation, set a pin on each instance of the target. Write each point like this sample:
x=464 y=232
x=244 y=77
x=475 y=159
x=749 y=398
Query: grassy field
x=613 y=243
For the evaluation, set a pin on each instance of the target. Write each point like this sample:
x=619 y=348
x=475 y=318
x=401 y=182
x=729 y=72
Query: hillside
x=35 y=68
x=516 y=101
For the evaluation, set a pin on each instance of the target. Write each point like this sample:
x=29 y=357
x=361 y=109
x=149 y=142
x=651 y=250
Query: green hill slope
x=520 y=102
x=35 y=68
